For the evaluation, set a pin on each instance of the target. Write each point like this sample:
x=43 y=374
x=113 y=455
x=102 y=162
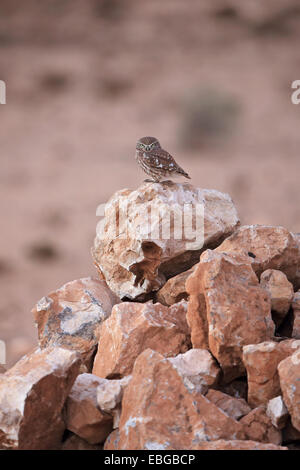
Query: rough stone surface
x=198 y=369
x=134 y=327
x=70 y=317
x=236 y=408
x=174 y=289
x=2 y=369
x=110 y=393
x=74 y=442
x=136 y=259
x=277 y=411
x=296 y=312
x=32 y=396
x=160 y=412
x=258 y=427
x=289 y=374
x=261 y=361
x=83 y=417
x=227 y=309
x=269 y=247
x=222 y=444
x=281 y=292
x=112 y=442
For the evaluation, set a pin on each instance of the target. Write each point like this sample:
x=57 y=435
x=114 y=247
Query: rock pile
x=181 y=344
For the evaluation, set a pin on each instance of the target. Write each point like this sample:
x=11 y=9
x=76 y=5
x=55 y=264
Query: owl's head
x=147 y=144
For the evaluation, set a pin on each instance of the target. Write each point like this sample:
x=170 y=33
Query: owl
x=155 y=161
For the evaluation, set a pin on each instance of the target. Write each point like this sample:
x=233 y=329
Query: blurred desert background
x=86 y=78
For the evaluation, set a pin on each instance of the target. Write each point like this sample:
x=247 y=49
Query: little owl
x=155 y=161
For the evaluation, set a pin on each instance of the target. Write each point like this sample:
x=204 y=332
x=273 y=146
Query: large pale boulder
x=289 y=374
x=152 y=239
x=227 y=309
x=159 y=411
x=71 y=316
x=134 y=327
x=32 y=396
x=261 y=361
x=268 y=247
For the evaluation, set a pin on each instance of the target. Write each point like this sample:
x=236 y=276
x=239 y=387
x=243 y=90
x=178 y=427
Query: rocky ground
x=172 y=347
x=86 y=78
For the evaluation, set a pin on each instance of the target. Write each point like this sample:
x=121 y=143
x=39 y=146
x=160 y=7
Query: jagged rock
x=83 y=417
x=134 y=327
x=281 y=292
x=110 y=393
x=296 y=314
x=258 y=427
x=160 y=412
x=289 y=375
x=227 y=309
x=70 y=317
x=261 y=361
x=198 y=369
x=134 y=257
x=112 y=442
x=174 y=289
x=222 y=444
x=277 y=411
x=268 y=247
x=74 y=442
x=236 y=408
x=32 y=396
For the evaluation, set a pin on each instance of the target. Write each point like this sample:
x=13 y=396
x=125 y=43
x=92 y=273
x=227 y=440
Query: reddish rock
x=280 y=290
x=32 y=396
x=112 y=442
x=296 y=313
x=236 y=408
x=258 y=427
x=74 y=442
x=174 y=289
x=198 y=369
x=227 y=309
x=238 y=388
x=2 y=369
x=261 y=361
x=289 y=374
x=268 y=247
x=134 y=327
x=160 y=412
x=71 y=316
x=277 y=412
x=83 y=417
x=137 y=254
x=221 y=444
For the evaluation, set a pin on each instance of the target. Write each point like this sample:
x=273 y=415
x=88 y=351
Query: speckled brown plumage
x=155 y=161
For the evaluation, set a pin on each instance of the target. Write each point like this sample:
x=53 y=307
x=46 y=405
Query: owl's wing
x=161 y=159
